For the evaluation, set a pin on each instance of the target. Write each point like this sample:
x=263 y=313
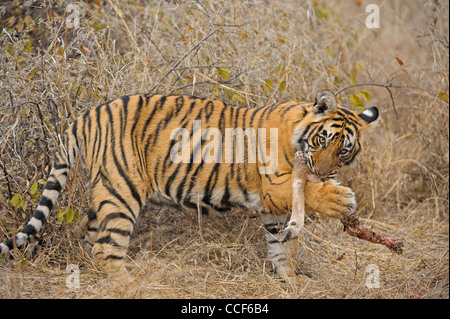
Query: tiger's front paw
x=330 y=198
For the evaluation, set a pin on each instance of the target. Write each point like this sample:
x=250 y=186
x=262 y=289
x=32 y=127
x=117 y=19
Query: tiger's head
x=329 y=135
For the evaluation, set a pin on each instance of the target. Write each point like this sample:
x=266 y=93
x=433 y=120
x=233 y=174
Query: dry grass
x=267 y=51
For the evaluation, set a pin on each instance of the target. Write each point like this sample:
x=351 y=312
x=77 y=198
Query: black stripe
x=91 y=214
x=239 y=182
x=54 y=186
x=134 y=140
x=119 y=231
x=111 y=216
x=273 y=228
x=60 y=166
x=113 y=192
x=107 y=240
x=273 y=203
x=38 y=214
x=209 y=108
x=209 y=188
x=225 y=201
x=158 y=104
x=84 y=132
x=287 y=158
x=99 y=132
x=10 y=243
x=123 y=123
x=30 y=230
x=45 y=201
x=104 y=202
x=170 y=180
x=74 y=133
x=349 y=130
x=188 y=111
x=179 y=102
x=105 y=149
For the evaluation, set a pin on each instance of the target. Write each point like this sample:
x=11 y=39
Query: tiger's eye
x=322 y=140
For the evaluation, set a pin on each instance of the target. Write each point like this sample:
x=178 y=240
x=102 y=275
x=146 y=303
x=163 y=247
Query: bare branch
x=388 y=88
x=174 y=65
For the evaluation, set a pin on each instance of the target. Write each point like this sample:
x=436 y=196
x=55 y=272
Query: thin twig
x=174 y=65
x=120 y=14
x=391 y=86
x=8 y=183
x=393 y=102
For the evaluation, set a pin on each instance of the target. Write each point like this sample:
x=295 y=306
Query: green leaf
x=236 y=97
x=69 y=216
x=66 y=214
x=359 y=67
x=224 y=72
x=31 y=74
x=329 y=50
x=352 y=76
x=60 y=215
x=444 y=96
x=264 y=89
x=34 y=188
x=282 y=86
x=268 y=84
x=17 y=201
x=366 y=94
x=356 y=101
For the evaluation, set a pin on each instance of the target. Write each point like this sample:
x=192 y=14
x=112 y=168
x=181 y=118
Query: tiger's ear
x=369 y=117
x=324 y=102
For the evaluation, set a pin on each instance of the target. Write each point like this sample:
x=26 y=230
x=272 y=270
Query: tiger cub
x=188 y=151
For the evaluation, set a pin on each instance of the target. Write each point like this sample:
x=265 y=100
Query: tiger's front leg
x=328 y=198
x=281 y=252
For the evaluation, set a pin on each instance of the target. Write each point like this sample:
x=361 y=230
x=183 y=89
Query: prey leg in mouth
x=300 y=175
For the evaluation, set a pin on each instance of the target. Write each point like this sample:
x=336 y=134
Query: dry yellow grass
x=248 y=53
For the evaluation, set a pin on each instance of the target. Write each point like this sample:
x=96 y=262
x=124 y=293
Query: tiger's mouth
x=309 y=162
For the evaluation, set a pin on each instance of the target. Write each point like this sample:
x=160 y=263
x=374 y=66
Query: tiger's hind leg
x=116 y=212
x=87 y=229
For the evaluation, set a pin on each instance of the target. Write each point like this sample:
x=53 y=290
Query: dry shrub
x=247 y=53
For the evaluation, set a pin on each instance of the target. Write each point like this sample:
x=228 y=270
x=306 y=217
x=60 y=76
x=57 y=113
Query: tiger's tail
x=63 y=162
